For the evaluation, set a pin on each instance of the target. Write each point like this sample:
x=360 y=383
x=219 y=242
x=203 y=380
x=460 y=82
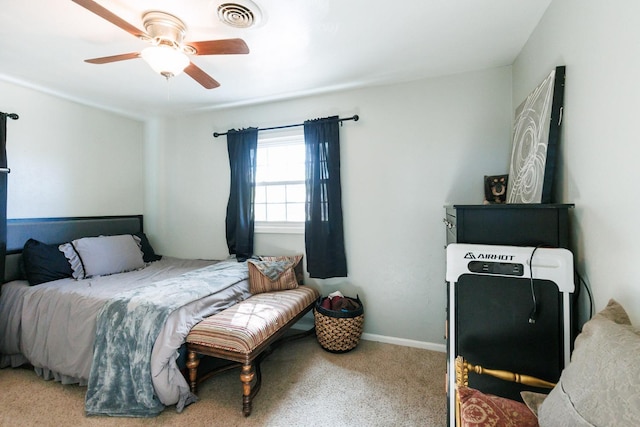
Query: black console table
x=509 y=224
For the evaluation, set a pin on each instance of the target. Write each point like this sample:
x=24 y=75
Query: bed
x=136 y=320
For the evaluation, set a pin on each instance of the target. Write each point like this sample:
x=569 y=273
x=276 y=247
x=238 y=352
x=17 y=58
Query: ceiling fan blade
x=201 y=77
x=114 y=58
x=94 y=7
x=220 y=47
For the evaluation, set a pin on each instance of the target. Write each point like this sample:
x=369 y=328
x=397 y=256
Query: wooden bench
x=245 y=333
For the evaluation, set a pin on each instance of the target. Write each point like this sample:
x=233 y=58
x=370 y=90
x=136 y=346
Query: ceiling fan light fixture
x=165 y=60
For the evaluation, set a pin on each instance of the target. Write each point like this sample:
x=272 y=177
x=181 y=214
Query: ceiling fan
x=168 y=53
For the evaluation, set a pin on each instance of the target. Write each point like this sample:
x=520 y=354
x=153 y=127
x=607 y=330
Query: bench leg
x=246 y=376
x=192 y=365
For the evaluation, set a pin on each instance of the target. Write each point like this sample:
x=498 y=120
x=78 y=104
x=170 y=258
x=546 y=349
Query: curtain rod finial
x=356 y=117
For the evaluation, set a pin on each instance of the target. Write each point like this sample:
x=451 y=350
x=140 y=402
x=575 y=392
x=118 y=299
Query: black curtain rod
x=13 y=116
x=355 y=118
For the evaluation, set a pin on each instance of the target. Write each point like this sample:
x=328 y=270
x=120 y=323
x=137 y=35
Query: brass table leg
x=192 y=365
x=246 y=376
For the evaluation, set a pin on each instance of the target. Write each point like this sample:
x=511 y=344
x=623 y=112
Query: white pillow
x=98 y=256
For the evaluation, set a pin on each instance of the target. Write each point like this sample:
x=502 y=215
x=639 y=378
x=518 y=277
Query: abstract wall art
x=536 y=134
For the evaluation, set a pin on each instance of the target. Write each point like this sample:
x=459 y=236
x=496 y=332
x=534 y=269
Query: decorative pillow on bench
x=295 y=259
x=268 y=276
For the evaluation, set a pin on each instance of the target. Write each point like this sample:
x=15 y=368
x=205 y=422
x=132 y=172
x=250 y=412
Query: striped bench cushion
x=244 y=326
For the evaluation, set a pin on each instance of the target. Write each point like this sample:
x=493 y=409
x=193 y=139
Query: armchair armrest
x=463 y=367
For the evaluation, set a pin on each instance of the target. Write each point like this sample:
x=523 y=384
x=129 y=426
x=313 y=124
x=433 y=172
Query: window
x=280 y=181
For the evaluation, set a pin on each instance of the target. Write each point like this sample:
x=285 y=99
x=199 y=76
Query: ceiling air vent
x=240 y=15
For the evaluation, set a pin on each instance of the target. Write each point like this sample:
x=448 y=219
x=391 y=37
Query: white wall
x=417 y=146
x=70 y=160
x=599 y=43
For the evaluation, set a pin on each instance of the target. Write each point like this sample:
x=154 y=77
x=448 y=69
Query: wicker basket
x=338 y=331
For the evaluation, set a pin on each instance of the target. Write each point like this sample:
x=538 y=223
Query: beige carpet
x=375 y=384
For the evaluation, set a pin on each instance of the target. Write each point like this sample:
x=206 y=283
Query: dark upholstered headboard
x=61 y=230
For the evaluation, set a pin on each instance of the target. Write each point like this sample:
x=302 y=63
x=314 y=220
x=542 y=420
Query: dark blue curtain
x=3 y=192
x=242 y=147
x=324 y=237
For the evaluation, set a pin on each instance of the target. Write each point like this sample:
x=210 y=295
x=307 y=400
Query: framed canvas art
x=536 y=134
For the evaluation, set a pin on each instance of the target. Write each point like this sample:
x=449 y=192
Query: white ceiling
x=301 y=47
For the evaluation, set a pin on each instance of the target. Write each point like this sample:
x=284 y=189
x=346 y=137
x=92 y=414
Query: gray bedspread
x=127 y=328
x=53 y=325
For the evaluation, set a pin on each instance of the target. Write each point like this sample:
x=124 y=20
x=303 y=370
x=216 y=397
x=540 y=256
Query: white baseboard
x=306 y=324
x=406 y=342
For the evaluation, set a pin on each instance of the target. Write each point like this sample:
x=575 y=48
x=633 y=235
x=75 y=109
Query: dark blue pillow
x=148 y=254
x=44 y=263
